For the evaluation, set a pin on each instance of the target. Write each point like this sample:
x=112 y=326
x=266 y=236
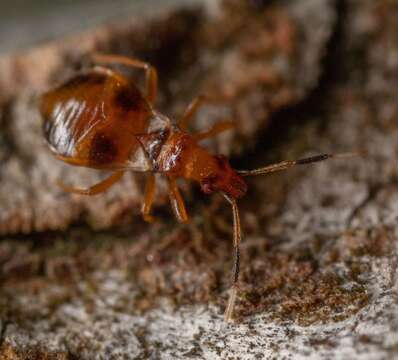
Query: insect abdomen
x=93 y=119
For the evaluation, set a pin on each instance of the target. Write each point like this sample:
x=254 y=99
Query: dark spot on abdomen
x=129 y=98
x=103 y=149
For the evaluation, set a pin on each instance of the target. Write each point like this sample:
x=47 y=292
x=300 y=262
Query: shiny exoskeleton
x=100 y=119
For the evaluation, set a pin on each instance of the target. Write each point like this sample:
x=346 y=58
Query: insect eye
x=222 y=161
x=208 y=184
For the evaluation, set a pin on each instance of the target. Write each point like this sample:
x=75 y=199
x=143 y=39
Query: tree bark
x=319 y=254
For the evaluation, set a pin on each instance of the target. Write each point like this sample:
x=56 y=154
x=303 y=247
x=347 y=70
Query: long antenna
x=236 y=267
x=284 y=165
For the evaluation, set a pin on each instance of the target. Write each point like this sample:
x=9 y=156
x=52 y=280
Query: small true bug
x=100 y=119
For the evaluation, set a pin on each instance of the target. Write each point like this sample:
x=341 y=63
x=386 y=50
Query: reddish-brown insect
x=99 y=119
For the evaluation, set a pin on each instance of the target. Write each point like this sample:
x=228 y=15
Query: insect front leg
x=151 y=75
x=191 y=110
x=150 y=188
x=177 y=202
x=216 y=129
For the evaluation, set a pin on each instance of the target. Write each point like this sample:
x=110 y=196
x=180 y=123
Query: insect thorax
x=152 y=142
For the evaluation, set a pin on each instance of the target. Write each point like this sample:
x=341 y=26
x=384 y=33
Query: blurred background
x=26 y=22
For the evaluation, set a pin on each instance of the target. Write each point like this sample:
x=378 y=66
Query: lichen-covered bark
x=319 y=256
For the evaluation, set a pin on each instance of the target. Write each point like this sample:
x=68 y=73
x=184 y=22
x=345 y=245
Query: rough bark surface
x=320 y=249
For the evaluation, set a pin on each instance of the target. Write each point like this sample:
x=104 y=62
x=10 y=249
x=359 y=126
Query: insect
x=99 y=119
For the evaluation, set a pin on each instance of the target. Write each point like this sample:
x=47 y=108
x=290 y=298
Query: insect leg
x=149 y=195
x=191 y=110
x=151 y=76
x=216 y=129
x=177 y=202
x=237 y=238
x=97 y=188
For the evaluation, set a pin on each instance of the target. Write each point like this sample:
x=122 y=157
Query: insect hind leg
x=97 y=188
x=151 y=76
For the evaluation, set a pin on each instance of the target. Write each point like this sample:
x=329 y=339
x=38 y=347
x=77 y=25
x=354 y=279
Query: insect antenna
x=284 y=165
x=236 y=267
